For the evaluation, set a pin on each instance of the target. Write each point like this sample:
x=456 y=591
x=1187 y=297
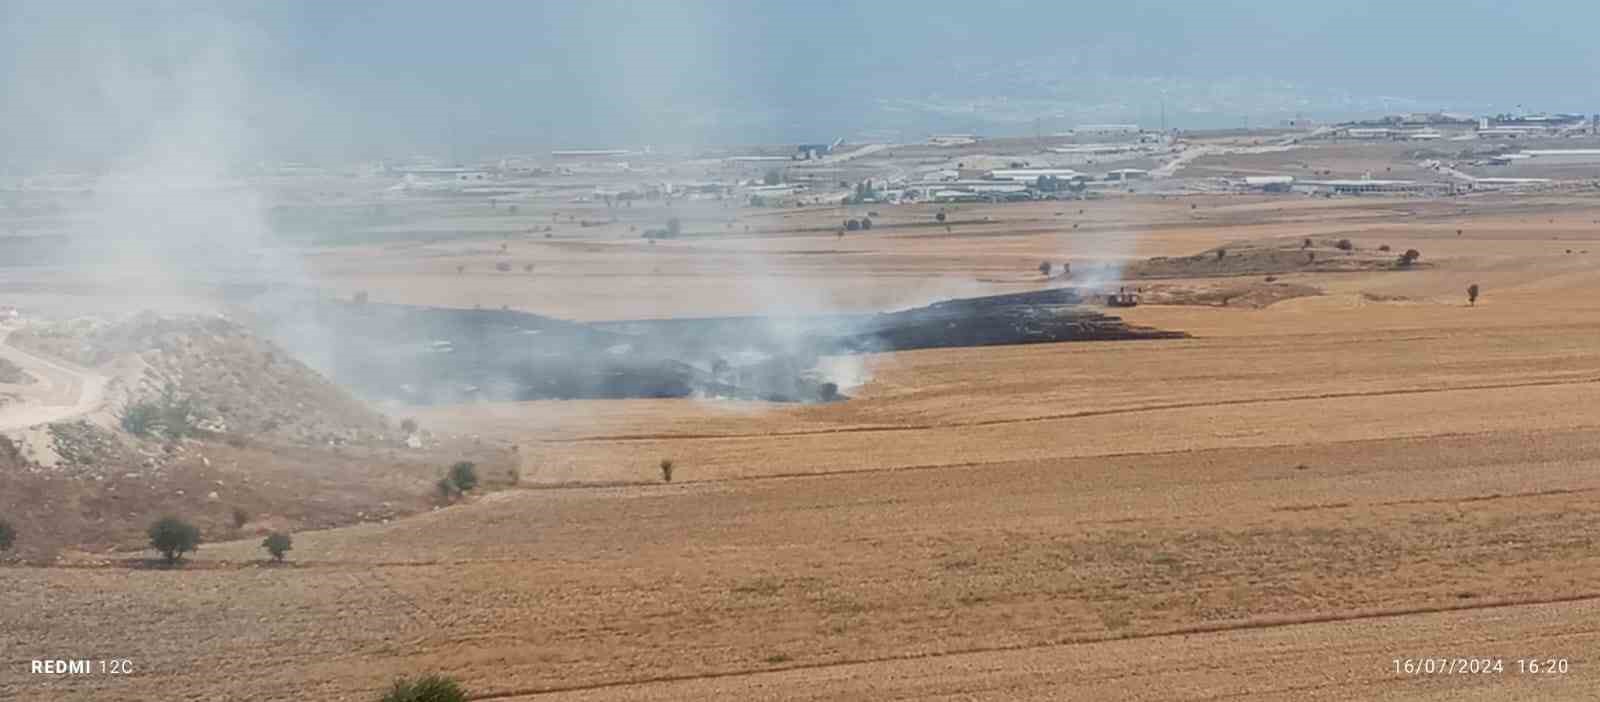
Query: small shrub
x=1306 y=244
x=446 y=488
x=939 y=217
x=140 y=418
x=1408 y=258
x=666 y=470
x=169 y=415
x=277 y=543
x=866 y=224
x=1345 y=245
x=1044 y=268
x=1383 y=247
x=408 y=425
x=240 y=518
x=464 y=475
x=1472 y=294
x=1221 y=253
x=8 y=535
x=173 y=537
x=428 y=688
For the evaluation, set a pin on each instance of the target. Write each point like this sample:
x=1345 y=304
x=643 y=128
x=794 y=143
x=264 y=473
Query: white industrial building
x=1363 y=186
x=1563 y=157
x=1121 y=174
x=1105 y=129
x=1033 y=174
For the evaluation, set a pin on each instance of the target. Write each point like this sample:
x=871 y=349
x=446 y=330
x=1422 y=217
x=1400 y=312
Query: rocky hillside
x=236 y=382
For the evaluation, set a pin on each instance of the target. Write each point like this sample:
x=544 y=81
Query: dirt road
x=63 y=391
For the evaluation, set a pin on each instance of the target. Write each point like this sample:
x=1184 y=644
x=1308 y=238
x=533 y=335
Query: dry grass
x=1277 y=507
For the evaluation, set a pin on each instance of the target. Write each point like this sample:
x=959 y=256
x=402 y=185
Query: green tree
x=277 y=543
x=464 y=475
x=428 y=688
x=1472 y=294
x=174 y=537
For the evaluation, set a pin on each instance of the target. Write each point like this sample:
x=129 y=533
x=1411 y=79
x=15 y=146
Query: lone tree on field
x=939 y=217
x=277 y=543
x=1221 y=253
x=8 y=536
x=1472 y=294
x=1409 y=257
x=428 y=688
x=666 y=470
x=464 y=475
x=1044 y=268
x=174 y=537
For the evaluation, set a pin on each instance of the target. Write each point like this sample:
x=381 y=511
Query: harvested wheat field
x=1306 y=491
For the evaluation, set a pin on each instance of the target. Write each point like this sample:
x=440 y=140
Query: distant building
x=450 y=174
x=1030 y=175
x=1121 y=174
x=1105 y=129
x=1271 y=184
x=1364 y=186
x=807 y=152
x=589 y=154
x=1369 y=132
x=1564 y=157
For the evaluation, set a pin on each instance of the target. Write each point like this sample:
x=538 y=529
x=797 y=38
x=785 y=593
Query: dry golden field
x=1279 y=507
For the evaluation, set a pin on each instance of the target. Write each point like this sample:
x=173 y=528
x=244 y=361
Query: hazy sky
x=86 y=81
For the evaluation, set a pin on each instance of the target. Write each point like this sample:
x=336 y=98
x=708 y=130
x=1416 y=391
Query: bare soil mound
x=268 y=443
x=1269 y=257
